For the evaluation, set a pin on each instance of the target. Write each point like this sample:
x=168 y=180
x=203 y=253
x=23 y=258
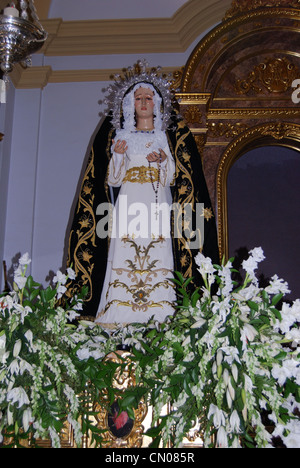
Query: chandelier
x=21 y=33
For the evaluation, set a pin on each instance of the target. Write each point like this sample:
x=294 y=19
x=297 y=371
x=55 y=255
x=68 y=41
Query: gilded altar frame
x=236 y=91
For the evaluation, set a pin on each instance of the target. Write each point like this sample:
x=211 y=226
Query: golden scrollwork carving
x=198 y=60
x=121 y=431
x=67 y=440
x=244 y=6
x=254 y=113
x=200 y=140
x=192 y=115
x=281 y=130
x=274 y=75
x=177 y=77
x=227 y=129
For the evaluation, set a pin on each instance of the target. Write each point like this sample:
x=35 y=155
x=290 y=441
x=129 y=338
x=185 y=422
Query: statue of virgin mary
x=125 y=241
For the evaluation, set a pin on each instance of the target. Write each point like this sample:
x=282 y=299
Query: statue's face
x=144 y=103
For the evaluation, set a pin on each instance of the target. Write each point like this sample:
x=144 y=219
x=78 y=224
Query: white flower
x=250 y=293
x=22 y=311
x=60 y=291
x=17 y=348
x=54 y=438
x=229 y=399
x=226 y=376
x=255 y=256
x=71 y=273
x=219 y=416
x=72 y=315
x=222 y=308
x=20 y=281
x=295 y=310
x=235 y=422
x=288 y=370
x=4 y=357
x=78 y=306
x=250 y=266
x=60 y=278
x=231 y=390
x=219 y=357
x=222 y=438
x=199 y=323
x=18 y=395
x=248 y=384
x=97 y=354
x=2 y=341
x=205 y=264
x=27 y=419
x=25 y=366
x=277 y=286
x=14 y=368
x=29 y=336
x=83 y=354
x=292 y=440
x=235 y=372
x=227 y=283
x=248 y=334
x=25 y=259
x=258 y=254
x=287 y=319
x=294 y=336
x=232 y=354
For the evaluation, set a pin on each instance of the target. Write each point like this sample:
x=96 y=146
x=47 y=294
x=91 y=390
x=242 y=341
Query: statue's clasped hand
x=157 y=157
x=120 y=147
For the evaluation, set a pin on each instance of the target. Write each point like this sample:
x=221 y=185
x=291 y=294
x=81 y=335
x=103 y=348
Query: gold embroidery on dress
x=146 y=175
x=82 y=257
x=81 y=260
x=207 y=214
x=186 y=195
x=141 y=271
x=141 y=175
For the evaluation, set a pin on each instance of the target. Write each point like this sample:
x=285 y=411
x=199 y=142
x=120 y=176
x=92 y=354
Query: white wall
x=113 y=9
x=6 y=125
x=51 y=134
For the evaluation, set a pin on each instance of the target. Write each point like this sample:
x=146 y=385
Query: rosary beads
x=156 y=188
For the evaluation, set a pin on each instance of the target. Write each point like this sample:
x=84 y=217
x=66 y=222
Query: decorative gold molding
x=253 y=113
x=132 y=434
x=226 y=27
x=244 y=6
x=272 y=133
x=193 y=98
x=193 y=115
x=274 y=75
x=226 y=129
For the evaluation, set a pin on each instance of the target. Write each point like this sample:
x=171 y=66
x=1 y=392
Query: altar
x=223 y=371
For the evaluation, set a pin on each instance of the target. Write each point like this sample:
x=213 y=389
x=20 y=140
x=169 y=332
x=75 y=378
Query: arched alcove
x=282 y=135
x=263 y=209
x=236 y=92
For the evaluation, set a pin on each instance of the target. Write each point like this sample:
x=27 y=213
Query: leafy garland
x=227 y=362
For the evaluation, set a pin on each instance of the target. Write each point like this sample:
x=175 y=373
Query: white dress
x=140 y=261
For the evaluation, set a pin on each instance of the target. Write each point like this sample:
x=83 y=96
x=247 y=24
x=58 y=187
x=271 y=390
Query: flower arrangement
x=228 y=360
x=45 y=368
